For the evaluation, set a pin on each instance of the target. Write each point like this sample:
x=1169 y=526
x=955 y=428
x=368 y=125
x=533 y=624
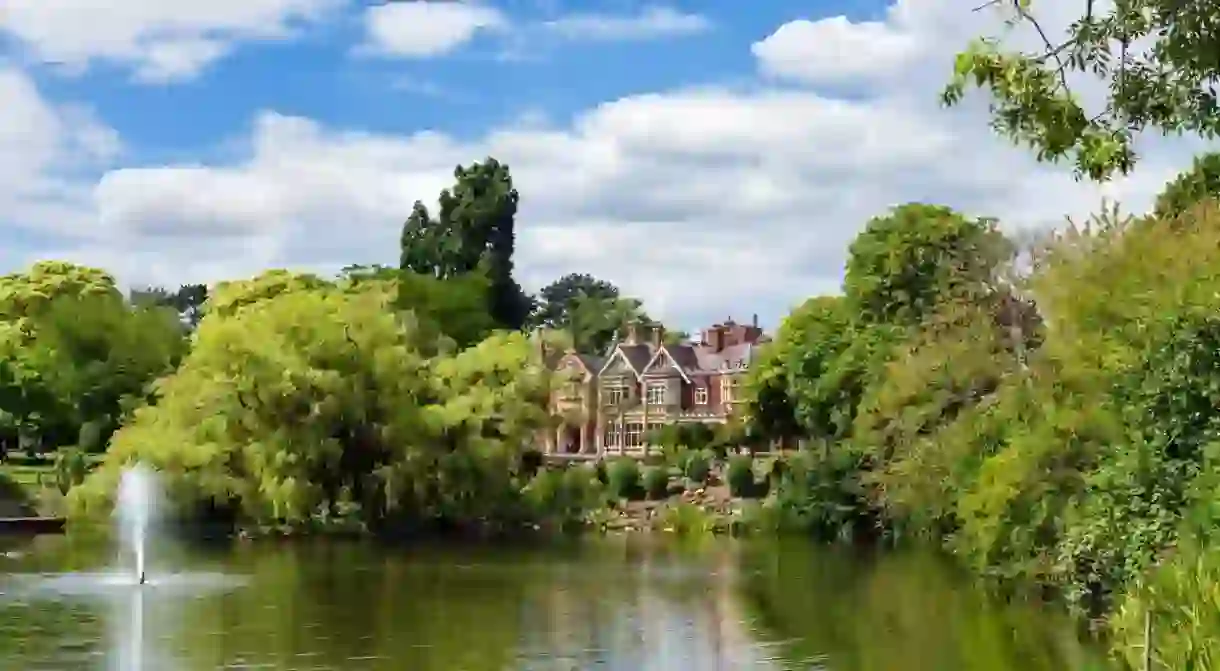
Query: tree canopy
x=474 y=231
x=76 y=355
x=319 y=399
x=1155 y=59
x=1198 y=183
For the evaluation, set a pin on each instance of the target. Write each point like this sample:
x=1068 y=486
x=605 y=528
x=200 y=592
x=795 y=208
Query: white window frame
x=615 y=394
x=613 y=436
x=728 y=388
x=634 y=436
x=701 y=395
x=656 y=393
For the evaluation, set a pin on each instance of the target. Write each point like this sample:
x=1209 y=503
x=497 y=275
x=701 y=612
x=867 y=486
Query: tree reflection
x=897 y=610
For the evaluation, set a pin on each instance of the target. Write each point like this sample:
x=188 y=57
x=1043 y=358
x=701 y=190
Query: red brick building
x=608 y=405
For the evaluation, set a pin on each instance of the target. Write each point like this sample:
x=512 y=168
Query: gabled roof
x=670 y=351
x=635 y=356
x=593 y=363
x=590 y=365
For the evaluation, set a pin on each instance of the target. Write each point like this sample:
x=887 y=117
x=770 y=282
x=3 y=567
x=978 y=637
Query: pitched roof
x=593 y=363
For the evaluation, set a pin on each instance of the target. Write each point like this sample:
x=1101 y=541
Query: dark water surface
x=620 y=604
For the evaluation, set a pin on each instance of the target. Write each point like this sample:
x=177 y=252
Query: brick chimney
x=658 y=335
x=633 y=334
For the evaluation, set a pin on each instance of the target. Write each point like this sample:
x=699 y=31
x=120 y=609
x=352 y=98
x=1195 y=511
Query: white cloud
x=160 y=40
x=426 y=29
x=835 y=50
x=651 y=23
x=703 y=202
x=43 y=151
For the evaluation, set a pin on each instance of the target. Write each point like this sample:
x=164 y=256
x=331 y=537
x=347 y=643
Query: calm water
x=630 y=603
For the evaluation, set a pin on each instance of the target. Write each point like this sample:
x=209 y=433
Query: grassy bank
x=36 y=484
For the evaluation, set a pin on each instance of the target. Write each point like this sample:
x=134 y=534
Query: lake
x=628 y=603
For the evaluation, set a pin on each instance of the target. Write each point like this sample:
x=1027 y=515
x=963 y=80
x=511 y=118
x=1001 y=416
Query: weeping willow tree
x=306 y=398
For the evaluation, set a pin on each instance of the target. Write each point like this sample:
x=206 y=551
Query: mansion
x=608 y=405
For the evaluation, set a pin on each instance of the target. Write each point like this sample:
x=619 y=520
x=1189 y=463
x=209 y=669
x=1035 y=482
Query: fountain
x=136 y=585
x=134 y=510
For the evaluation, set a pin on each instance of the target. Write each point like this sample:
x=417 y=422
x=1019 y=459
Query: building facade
x=609 y=405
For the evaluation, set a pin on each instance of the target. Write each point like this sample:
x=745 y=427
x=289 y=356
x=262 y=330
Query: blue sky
x=712 y=157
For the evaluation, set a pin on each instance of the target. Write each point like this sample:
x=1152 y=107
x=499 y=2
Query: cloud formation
x=427 y=29
x=160 y=41
x=650 y=23
x=704 y=202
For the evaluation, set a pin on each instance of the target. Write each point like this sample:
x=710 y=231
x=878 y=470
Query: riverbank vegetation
x=1044 y=408
x=390 y=399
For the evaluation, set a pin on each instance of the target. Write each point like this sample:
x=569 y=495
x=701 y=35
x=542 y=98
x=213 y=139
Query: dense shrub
x=623 y=478
x=739 y=474
x=530 y=462
x=562 y=495
x=70 y=469
x=585 y=491
x=698 y=467
x=656 y=482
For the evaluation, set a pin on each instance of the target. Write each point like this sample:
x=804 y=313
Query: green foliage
x=455 y=308
x=70 y=469
x=74 y=356
x=656 y=482
x=916 y=257
x=822 y=496
x=229 y=298
x=562 y=496
x=590 y=309
x=1155 y=59
x=1201 y=182
x=1056 y=428
x=623 y=478
x=677 y=441
x=596 y=322
x=1182 y=596
x=187 y=301
x=698 y=466
x=531 y=462
x=473 y=232
x=686 y=519
x=289 y=406
x=12 y=491
x=739 y=474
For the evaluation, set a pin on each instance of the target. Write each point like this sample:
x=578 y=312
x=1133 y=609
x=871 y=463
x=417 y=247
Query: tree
x=188 y=300
x=231 y=297
x=1201 y=182
x=475 y=229
x=557 y=300
x=25 y=295
x=76 y=355
x=804 y=344
x=1156 y=58
x=814 y=341
x=904 y=264
x=456 y=308
x=598 y=322
x=317 y=401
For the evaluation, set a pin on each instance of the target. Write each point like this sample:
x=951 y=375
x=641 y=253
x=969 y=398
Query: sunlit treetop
x=26 y=293
x=1156 y=58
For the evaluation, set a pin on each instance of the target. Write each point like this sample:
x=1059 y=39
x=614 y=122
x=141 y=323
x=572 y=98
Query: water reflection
x=635 y=603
